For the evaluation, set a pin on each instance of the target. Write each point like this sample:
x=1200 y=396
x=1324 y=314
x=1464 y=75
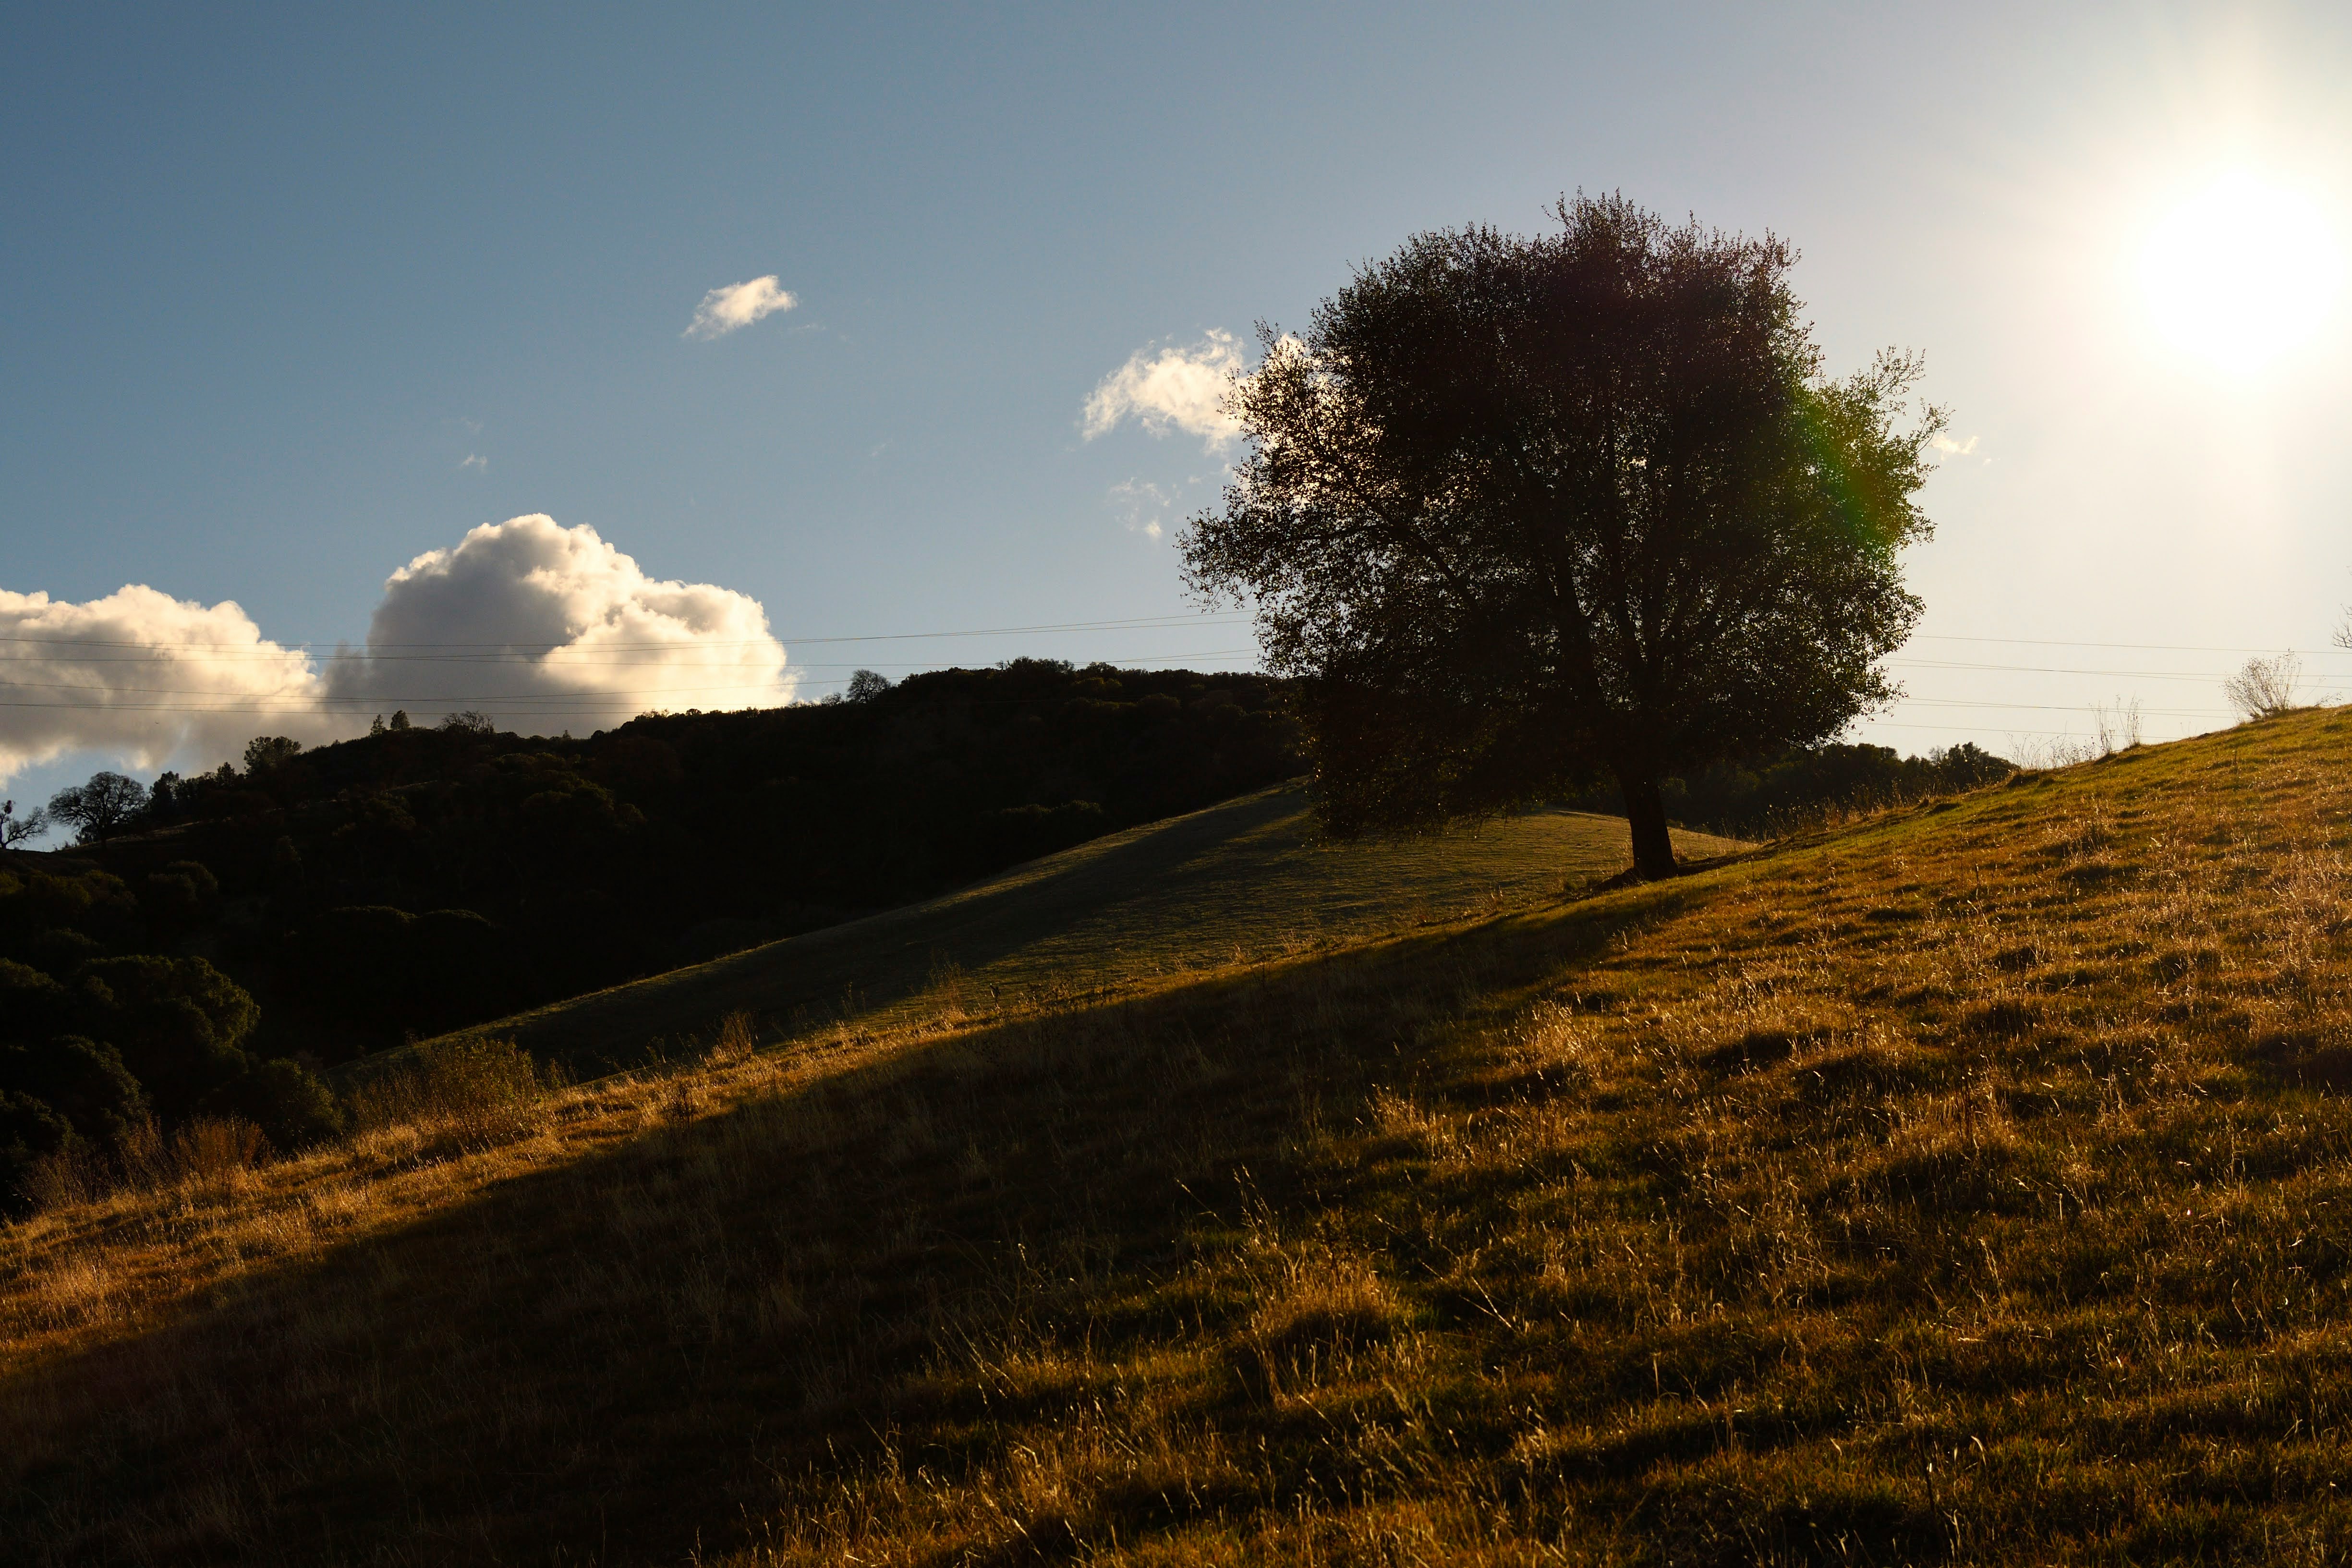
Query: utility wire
x=707 y=655
x=2137 y=647
x=343 y=650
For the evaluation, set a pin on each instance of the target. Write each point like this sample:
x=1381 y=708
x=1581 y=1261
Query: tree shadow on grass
x=653 y=1351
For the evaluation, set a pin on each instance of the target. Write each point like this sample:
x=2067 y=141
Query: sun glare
x=2243 y=272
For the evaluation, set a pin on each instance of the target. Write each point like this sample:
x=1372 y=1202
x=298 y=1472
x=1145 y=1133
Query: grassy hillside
x=1970 y=1184
x=1235 y=884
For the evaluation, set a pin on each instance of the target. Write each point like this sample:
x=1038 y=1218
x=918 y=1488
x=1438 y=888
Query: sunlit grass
x=1968 y=1184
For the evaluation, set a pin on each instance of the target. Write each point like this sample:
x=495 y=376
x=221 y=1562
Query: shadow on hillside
x=1191 y=892
x=642 y=1354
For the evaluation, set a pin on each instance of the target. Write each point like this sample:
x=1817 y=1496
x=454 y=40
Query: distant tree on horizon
x=1525 y=514
x=16 y=830
x=263 y=752
x=96 y=809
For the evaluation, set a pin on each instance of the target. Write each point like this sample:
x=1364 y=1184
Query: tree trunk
x=1645 y=809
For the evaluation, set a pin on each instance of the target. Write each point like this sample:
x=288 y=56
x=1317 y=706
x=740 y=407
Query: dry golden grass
x=1968 y=1185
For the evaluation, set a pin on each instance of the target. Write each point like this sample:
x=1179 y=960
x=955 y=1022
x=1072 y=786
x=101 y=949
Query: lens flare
x=2242 y=273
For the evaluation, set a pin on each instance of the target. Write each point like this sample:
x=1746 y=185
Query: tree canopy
x=1523 y=514
x=96 y=809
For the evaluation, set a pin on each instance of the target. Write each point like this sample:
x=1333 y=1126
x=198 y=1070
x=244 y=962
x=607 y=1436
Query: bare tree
x=96 y=809
x=2265 y=688
x=16 y=830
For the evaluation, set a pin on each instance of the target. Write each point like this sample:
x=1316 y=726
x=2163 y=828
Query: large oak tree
x=1521 y=513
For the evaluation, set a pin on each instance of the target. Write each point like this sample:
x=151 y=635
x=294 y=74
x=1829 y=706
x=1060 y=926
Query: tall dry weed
x=212 y=1152
x=77 y=1174
x=472 y=1092
x=738 y=1039
x=208 y=1154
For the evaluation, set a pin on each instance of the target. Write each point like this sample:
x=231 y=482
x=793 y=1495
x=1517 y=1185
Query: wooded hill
x=417 y=879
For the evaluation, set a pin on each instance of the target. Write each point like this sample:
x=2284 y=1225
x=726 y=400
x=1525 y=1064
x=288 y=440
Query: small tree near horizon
x=16 y=830
x=263 y=752
x=1521 y=514
x=97 y=809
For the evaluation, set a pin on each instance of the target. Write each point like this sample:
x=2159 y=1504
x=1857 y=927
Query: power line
x=2137 y=647
x=2202 y=676
x=502 y=697
x=529 y=701
x=712 y=654
x=343 y=649
x=2060 y=708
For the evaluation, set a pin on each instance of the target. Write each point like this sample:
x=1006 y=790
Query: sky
x=713 y=351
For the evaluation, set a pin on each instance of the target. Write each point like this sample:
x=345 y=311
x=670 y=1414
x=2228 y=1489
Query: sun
x=2243 y=272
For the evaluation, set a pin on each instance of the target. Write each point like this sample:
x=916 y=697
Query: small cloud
x=1951 y=448
x=474 y=460
x=1141 y=505
x=1172 y=386
x=724 y=310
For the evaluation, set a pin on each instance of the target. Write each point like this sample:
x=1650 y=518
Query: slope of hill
x=413 y=880
x=1236 y=883
x=1968 y=1185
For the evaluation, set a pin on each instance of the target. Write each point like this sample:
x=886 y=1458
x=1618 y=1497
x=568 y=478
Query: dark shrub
x=33 y=1006
x=81 y=1080
x=30 y=1129
x=178 y=1023
x=286 y=1100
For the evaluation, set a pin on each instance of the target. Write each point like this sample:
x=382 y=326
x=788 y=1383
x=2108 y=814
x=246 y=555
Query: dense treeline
x=417 y=879
x=1763 y=795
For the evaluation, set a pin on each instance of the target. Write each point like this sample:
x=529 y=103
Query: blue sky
x=273 y=275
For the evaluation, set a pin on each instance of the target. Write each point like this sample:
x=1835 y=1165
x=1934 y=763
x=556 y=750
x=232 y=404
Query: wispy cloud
x=1141 y=505
x=1170 y=386
x=1951 y=448
x=739 y=305
x=474 y=460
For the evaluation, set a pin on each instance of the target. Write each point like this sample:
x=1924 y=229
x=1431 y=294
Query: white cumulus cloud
x=148 y=679
x=723 y=310
x=542 y=627
x=1170 y=386
x=1951 y=448
x=545 y=628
